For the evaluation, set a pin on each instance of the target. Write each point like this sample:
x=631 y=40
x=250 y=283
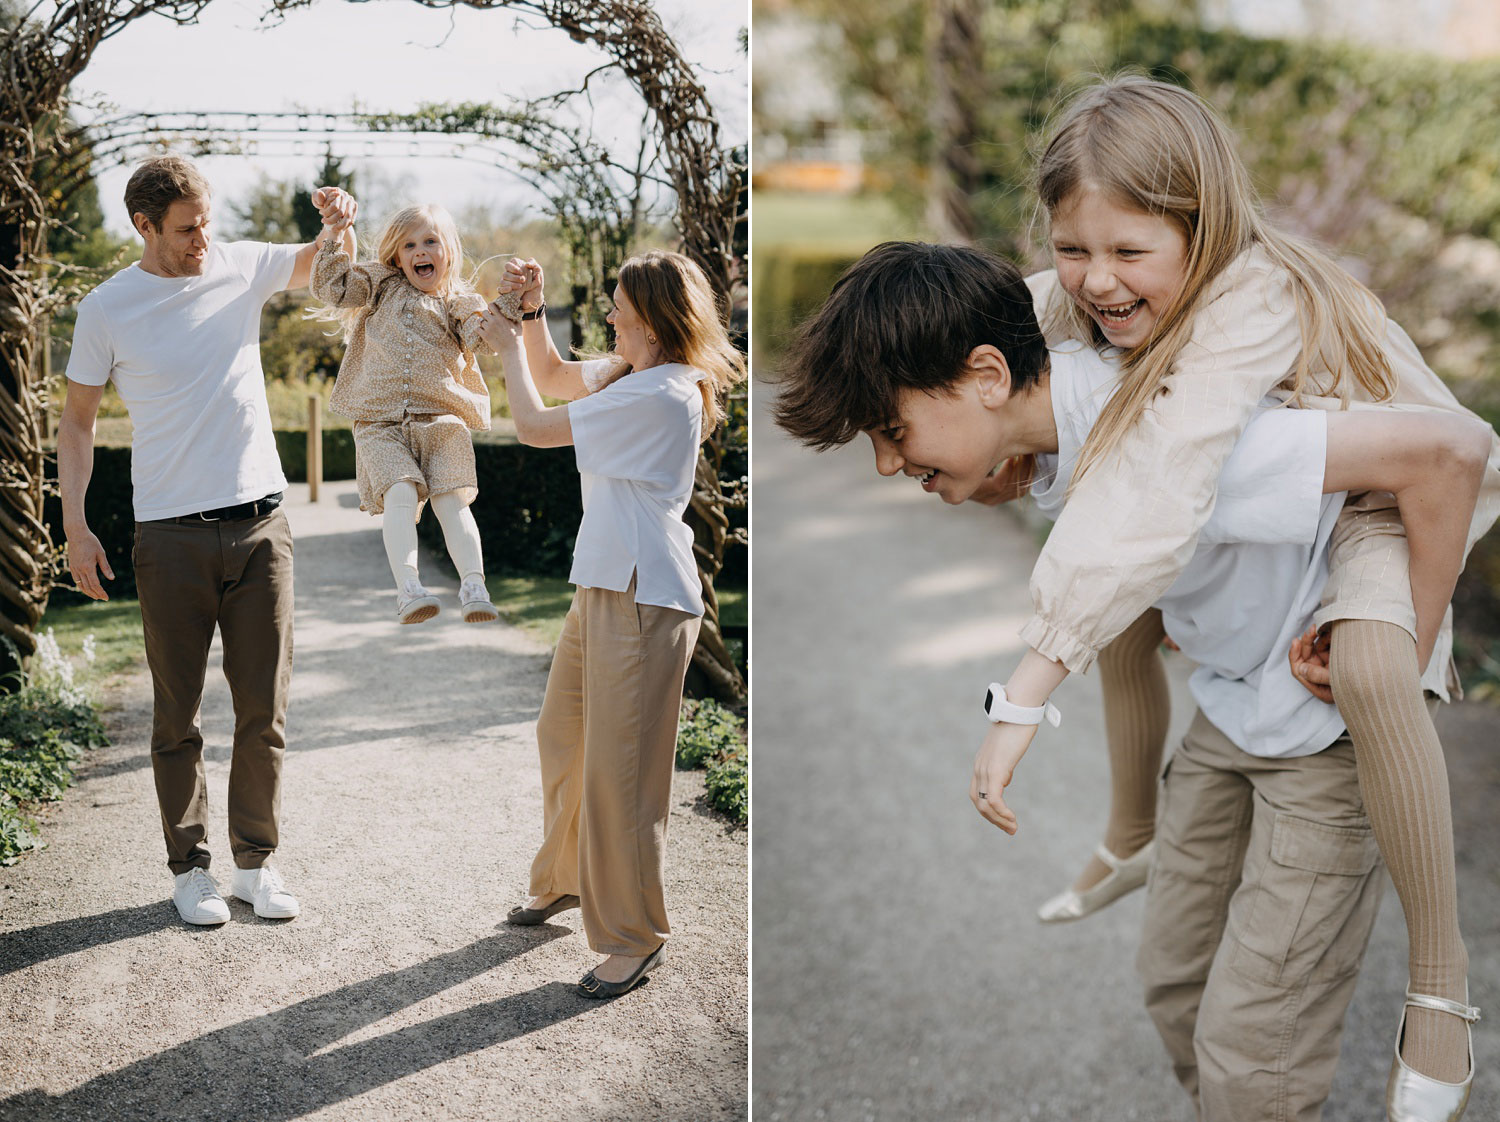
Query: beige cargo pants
x=1261 y=900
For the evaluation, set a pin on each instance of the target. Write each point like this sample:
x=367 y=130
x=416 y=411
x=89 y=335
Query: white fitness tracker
x=1000 y=709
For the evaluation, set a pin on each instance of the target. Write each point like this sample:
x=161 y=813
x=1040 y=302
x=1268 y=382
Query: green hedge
x=528 y=509
x=338 y=454
x=790 y=284
x=111 y=516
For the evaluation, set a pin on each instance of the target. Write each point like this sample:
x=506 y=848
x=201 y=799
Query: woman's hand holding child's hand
x=994 y=766
x=1309 y=659
x=336 y=207
x=524 y=276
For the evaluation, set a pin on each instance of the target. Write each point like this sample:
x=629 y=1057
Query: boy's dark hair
x=904 y=316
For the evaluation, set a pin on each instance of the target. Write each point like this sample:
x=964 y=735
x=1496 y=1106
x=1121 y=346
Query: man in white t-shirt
x=178 y=335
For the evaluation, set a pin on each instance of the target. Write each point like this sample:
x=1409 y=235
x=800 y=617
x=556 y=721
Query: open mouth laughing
x=425 y=270
x=1117 y=315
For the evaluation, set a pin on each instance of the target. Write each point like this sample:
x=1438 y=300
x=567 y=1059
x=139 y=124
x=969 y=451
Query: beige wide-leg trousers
x=607 y=736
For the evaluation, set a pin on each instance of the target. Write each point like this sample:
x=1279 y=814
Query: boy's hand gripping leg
x=1309 y=658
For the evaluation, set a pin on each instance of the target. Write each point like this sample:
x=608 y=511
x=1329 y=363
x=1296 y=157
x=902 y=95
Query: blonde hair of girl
x=1160 y=149
x=675 y=301
x=388 y=249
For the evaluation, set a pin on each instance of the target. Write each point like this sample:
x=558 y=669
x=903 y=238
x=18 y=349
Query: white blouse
x=636 y=443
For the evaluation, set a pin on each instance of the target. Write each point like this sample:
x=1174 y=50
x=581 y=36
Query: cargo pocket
x=1306 y=893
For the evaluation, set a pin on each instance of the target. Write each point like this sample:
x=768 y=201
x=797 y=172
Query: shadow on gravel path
x=294 y=1067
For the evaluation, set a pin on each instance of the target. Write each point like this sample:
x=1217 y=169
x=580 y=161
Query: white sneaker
x=263 y=888
x=474 y=602
x=414 y=603
x=198 y=900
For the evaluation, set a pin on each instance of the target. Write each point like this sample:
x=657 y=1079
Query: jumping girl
x=410 y=384
x=1162 y=252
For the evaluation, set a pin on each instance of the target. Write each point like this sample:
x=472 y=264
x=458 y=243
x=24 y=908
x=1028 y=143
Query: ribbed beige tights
x=1404 y=783
x=1137 y=708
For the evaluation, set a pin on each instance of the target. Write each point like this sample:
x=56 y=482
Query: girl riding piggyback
x=410 y=383
x=1162 y=252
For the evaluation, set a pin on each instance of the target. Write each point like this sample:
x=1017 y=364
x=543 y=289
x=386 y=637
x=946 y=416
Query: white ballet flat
x=1125 y=876
x=1411 y=1096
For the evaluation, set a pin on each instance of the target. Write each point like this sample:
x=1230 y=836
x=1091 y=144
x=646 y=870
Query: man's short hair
x=160 y=182
x=906 y=315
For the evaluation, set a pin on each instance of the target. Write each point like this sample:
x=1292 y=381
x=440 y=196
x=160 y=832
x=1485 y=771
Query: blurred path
x=899 y=970
x=411 y=810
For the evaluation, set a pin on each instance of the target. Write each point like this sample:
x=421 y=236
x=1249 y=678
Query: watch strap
x=1000 y=709
x=537 y=313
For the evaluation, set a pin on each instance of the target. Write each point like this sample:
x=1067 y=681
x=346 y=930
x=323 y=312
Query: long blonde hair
x=388 y=252
x=1160 y=149
x=675 y=301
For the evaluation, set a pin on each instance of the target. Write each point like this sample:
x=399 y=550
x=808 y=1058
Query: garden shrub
x=710 y=736
x=45 y=726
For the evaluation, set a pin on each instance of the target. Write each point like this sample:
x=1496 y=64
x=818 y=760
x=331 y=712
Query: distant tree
x=332 y=174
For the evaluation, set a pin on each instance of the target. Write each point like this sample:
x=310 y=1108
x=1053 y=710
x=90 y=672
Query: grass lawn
x=115 y=625
x=853 y=223
x=734 y=607
x=536 y=605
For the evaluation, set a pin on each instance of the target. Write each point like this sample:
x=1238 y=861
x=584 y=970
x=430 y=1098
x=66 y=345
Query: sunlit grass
x=536 y=605
x=115 y=625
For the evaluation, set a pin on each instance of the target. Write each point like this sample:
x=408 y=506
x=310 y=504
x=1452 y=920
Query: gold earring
x=651 y=339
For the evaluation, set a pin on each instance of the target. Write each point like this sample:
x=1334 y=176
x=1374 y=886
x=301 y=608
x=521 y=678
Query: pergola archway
x=38 y=60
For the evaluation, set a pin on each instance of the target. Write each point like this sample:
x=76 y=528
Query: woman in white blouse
x=607 y=732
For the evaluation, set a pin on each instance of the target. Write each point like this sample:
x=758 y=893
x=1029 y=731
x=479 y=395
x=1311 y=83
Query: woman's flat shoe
x=590 y=986
x=529 y=917
x=1411 y=1096
x=1125 y=875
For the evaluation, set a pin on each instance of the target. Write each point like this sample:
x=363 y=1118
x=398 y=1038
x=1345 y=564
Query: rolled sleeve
x=1131 y=524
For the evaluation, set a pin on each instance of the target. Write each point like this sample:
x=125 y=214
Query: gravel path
x=411 y=810
x=899 y=972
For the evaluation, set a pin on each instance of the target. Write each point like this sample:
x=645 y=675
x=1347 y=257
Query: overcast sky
x=387 y=56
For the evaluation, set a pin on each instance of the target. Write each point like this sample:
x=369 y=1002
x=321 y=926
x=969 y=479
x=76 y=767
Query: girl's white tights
x=461 y=533
x=399 y=529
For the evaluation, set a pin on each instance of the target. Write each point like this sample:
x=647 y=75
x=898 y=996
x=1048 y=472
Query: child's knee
x=1369 y=660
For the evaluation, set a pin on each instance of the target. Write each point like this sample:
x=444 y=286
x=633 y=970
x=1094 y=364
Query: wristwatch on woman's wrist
x=536 y=313
x=1000 y=709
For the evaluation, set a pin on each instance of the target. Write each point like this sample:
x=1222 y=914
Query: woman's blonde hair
x=1160 y=149
x=675 y=301
x=388 y=252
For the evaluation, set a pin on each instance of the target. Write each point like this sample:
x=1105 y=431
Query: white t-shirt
x=1257 y=574
x=636 y=442
x=184 y=354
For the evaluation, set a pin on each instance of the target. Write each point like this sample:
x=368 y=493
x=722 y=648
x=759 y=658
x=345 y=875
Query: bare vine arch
x=38 y=60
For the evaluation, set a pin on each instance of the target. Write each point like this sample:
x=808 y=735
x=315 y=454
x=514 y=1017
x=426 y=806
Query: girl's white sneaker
x=474 y=602
x=414 y=604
